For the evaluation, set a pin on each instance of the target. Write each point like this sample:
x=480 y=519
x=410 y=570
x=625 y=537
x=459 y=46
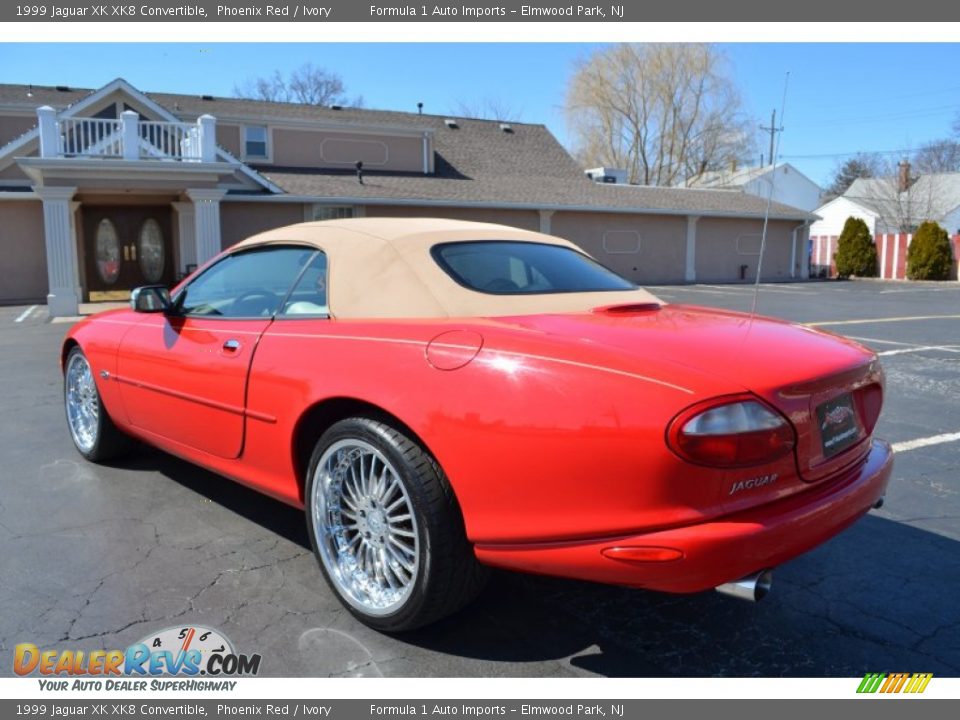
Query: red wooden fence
x=891 y=255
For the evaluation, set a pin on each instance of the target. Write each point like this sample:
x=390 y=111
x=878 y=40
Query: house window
x=255 y=141
x=332 y=212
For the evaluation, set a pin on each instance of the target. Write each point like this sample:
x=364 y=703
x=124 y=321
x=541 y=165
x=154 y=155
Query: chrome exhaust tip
x=753 y=588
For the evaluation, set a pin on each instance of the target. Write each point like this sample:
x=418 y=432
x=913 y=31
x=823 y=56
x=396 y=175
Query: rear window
x=503 y=267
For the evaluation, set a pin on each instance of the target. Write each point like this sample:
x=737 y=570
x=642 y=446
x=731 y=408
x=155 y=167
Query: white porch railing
x=128 y=138
x=167 y=140
x=90 y=136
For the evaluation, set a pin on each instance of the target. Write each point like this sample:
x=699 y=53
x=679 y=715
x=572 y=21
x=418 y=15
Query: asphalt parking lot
x=98 y=557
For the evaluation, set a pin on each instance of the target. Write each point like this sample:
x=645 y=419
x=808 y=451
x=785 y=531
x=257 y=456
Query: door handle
x=231 y=345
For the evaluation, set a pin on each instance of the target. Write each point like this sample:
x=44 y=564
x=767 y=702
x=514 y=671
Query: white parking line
x=919 y=289
x=871 y=321
x=878 y=340
x=23 y=316
x=904 y=346
x=920 y=348
x=925 y=442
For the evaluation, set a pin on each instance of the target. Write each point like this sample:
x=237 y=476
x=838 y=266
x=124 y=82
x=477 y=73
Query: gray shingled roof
x=726 y=178
x=930 y=197
x=522 y=191
x=476 y=164
x=41 y=95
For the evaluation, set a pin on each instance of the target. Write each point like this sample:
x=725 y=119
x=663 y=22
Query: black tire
x=108 y=441
x=448 y=576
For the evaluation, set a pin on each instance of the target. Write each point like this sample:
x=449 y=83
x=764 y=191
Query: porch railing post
x=49 y=136
x=208 y=138
x=131 y=137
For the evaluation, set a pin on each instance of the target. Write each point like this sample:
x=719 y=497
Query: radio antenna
x=766 y=214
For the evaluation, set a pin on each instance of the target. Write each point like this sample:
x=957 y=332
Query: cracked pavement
x=97 y=557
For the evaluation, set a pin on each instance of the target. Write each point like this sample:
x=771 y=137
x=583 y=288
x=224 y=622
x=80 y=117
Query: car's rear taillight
x=730 y=433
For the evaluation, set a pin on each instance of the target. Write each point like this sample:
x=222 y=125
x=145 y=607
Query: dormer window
x=255 y=141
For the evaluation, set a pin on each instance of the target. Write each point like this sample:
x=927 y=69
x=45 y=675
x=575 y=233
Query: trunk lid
x=829 y=387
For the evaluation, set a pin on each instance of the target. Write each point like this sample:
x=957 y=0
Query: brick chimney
x=903 y=176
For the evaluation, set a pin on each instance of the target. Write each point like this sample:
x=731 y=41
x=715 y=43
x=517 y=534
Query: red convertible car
x=441 y=396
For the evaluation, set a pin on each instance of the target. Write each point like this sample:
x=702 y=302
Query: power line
x=827 y=156
x=882 y=117
x=893 y=98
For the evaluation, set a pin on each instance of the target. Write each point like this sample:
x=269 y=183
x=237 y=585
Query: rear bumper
x=715 y=552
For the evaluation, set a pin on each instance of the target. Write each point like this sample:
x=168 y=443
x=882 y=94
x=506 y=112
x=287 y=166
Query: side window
x=332 y=212
x=255 y=141
x=309 y=296
x=245 y=284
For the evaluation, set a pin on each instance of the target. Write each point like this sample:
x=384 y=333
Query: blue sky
x=842 y=98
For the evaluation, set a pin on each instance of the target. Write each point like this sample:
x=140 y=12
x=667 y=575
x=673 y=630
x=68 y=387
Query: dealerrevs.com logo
x=176 y=651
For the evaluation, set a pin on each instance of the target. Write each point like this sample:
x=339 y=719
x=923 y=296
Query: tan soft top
x=382 y=268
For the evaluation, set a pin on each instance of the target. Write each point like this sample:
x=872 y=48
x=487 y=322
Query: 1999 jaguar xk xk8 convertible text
x=441 y=396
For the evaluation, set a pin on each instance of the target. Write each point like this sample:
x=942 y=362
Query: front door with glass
x=125 y=247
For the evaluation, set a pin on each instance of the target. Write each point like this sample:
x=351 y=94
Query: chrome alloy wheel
x=83 y=403
x=364 y=527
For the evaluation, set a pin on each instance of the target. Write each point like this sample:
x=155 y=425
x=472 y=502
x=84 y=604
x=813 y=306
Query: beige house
x=101 y=191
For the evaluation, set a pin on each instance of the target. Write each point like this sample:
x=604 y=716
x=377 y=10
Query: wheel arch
x=68 y=345
x=317 y=418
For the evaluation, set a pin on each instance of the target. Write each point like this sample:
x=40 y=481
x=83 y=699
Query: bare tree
x=307 y=85
x=902 y=198
x=917 y=203
x=861 y=165
x=271 y=88
x=490 y=108
x=938 y=156
x=666 y=113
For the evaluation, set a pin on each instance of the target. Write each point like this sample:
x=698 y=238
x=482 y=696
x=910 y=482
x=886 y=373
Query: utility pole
x=773 y=130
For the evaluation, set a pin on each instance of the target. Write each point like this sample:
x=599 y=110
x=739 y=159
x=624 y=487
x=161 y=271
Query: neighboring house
x=892 y=208
x=104 y=190
x=894 y=205
x=834 y=214
x=789 y=185
x=902 y=209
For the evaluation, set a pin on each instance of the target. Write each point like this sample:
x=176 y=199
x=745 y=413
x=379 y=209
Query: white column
x=690 y=275
x=793 y=252
x=63 y=277
x=129 y=120
x=207 y=222
x=187 y=231
x=802 y=229
x=545 y=220
x=208 y=138
x=49 y=135
x=807 y=252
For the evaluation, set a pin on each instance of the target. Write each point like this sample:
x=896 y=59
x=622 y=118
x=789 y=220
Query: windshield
x=502 y=267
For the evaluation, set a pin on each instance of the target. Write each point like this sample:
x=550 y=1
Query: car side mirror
x=151 y=299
